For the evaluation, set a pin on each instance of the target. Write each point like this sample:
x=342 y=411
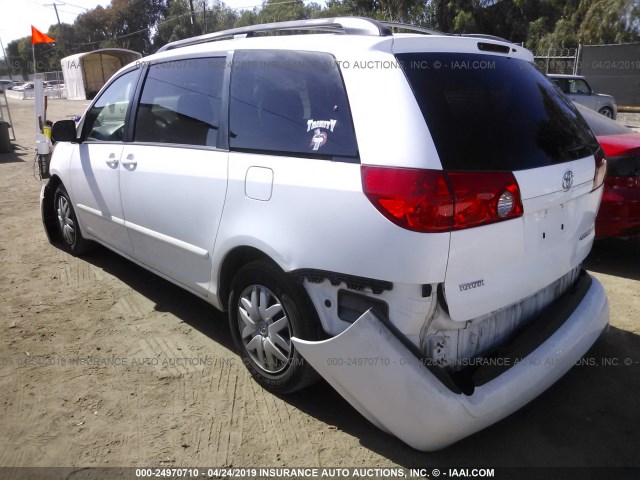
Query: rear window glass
x=290 y=103
x=487 y=112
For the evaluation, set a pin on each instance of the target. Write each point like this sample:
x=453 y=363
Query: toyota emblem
x=567 y=180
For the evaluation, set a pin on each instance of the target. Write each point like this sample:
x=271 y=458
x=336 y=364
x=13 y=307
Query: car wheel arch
x=232 y=262
x=608 y=109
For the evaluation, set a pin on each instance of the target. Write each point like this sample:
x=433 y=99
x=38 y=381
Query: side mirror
x=64 y=131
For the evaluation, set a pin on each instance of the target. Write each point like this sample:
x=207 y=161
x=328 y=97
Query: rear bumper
x=378 y=375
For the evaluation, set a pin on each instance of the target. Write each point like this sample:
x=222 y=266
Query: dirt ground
x=105 y=364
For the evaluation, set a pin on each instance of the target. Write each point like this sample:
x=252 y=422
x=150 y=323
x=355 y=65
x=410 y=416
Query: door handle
x=113 y=161
x=129 y=163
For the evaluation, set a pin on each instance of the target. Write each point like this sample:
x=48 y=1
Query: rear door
x=497 y=113
x=173 y=175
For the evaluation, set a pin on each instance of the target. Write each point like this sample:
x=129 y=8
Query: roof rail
x=344 y=25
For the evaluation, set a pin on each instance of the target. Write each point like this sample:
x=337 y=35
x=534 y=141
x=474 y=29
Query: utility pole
x=55 y=7
x=204 y=17
x=193 y=18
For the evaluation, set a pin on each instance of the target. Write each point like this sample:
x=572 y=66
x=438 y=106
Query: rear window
x=486 y=112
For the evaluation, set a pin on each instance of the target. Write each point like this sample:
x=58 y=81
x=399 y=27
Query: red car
x=619 y=214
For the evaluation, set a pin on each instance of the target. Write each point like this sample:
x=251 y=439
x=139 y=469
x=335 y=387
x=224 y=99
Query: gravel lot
x=59 y=409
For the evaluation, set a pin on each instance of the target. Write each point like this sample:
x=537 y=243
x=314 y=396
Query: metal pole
x=548 y=53
x=576 y=62
x=35 y=68
x=193 y=20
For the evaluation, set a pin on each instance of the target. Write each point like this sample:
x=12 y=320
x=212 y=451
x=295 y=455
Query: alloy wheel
x=67 y=226
x=265 y=328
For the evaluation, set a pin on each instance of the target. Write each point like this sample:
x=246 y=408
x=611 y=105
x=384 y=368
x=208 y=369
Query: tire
x=606 y=111
x=68 y=229
x=266 y=309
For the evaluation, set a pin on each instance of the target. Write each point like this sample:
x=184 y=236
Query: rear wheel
x=606 y=111
x=67 y=223
x=267 y=309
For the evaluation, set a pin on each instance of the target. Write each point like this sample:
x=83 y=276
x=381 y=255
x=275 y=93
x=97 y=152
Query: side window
x=180 y=102
x=289 y=103
x=562 y=84
x=107 y=117
x=579 y=86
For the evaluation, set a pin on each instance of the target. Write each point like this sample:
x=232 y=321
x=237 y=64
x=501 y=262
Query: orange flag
x=38 y=37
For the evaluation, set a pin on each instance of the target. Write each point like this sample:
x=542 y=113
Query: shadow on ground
x=589 y=418
x=615 y=256
x=166 y=296
x=18 y=154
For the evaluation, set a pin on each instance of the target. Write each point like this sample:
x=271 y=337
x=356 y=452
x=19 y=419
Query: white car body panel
x=395 y=131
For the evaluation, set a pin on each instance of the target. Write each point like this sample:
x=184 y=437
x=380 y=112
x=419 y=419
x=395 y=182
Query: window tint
x=180 y=102
x=106 y=119
x=486 y=112
x=290 y=103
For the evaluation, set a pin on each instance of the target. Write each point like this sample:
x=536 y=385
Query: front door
x=95 y=165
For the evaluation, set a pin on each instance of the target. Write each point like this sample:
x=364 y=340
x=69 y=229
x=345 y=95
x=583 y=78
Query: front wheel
x=606 y=111
x=67 y=223
x=266 y=309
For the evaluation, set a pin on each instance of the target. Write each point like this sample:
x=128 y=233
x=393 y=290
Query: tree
x=247 y=17
x=595 y=22
x=19 y=56
x=276 y=11
x=175 y=26
x=219 y=17
x=133 y=20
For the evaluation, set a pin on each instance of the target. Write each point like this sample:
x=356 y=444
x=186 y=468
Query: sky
x=17 y=16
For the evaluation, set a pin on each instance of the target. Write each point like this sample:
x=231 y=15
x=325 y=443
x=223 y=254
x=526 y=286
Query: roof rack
x=343 y=25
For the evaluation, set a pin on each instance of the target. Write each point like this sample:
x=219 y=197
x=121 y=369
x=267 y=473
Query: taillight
x=418 y=200
x=484 y=197
x=438 y=201
x=601 y=168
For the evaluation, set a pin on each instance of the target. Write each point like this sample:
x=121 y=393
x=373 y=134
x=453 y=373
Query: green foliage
x=595 y=22
x=177 y=24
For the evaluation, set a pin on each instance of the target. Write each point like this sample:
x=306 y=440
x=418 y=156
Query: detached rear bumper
x=380 y=377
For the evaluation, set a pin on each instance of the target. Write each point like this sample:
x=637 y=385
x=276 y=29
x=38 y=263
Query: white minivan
x=403 y=214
